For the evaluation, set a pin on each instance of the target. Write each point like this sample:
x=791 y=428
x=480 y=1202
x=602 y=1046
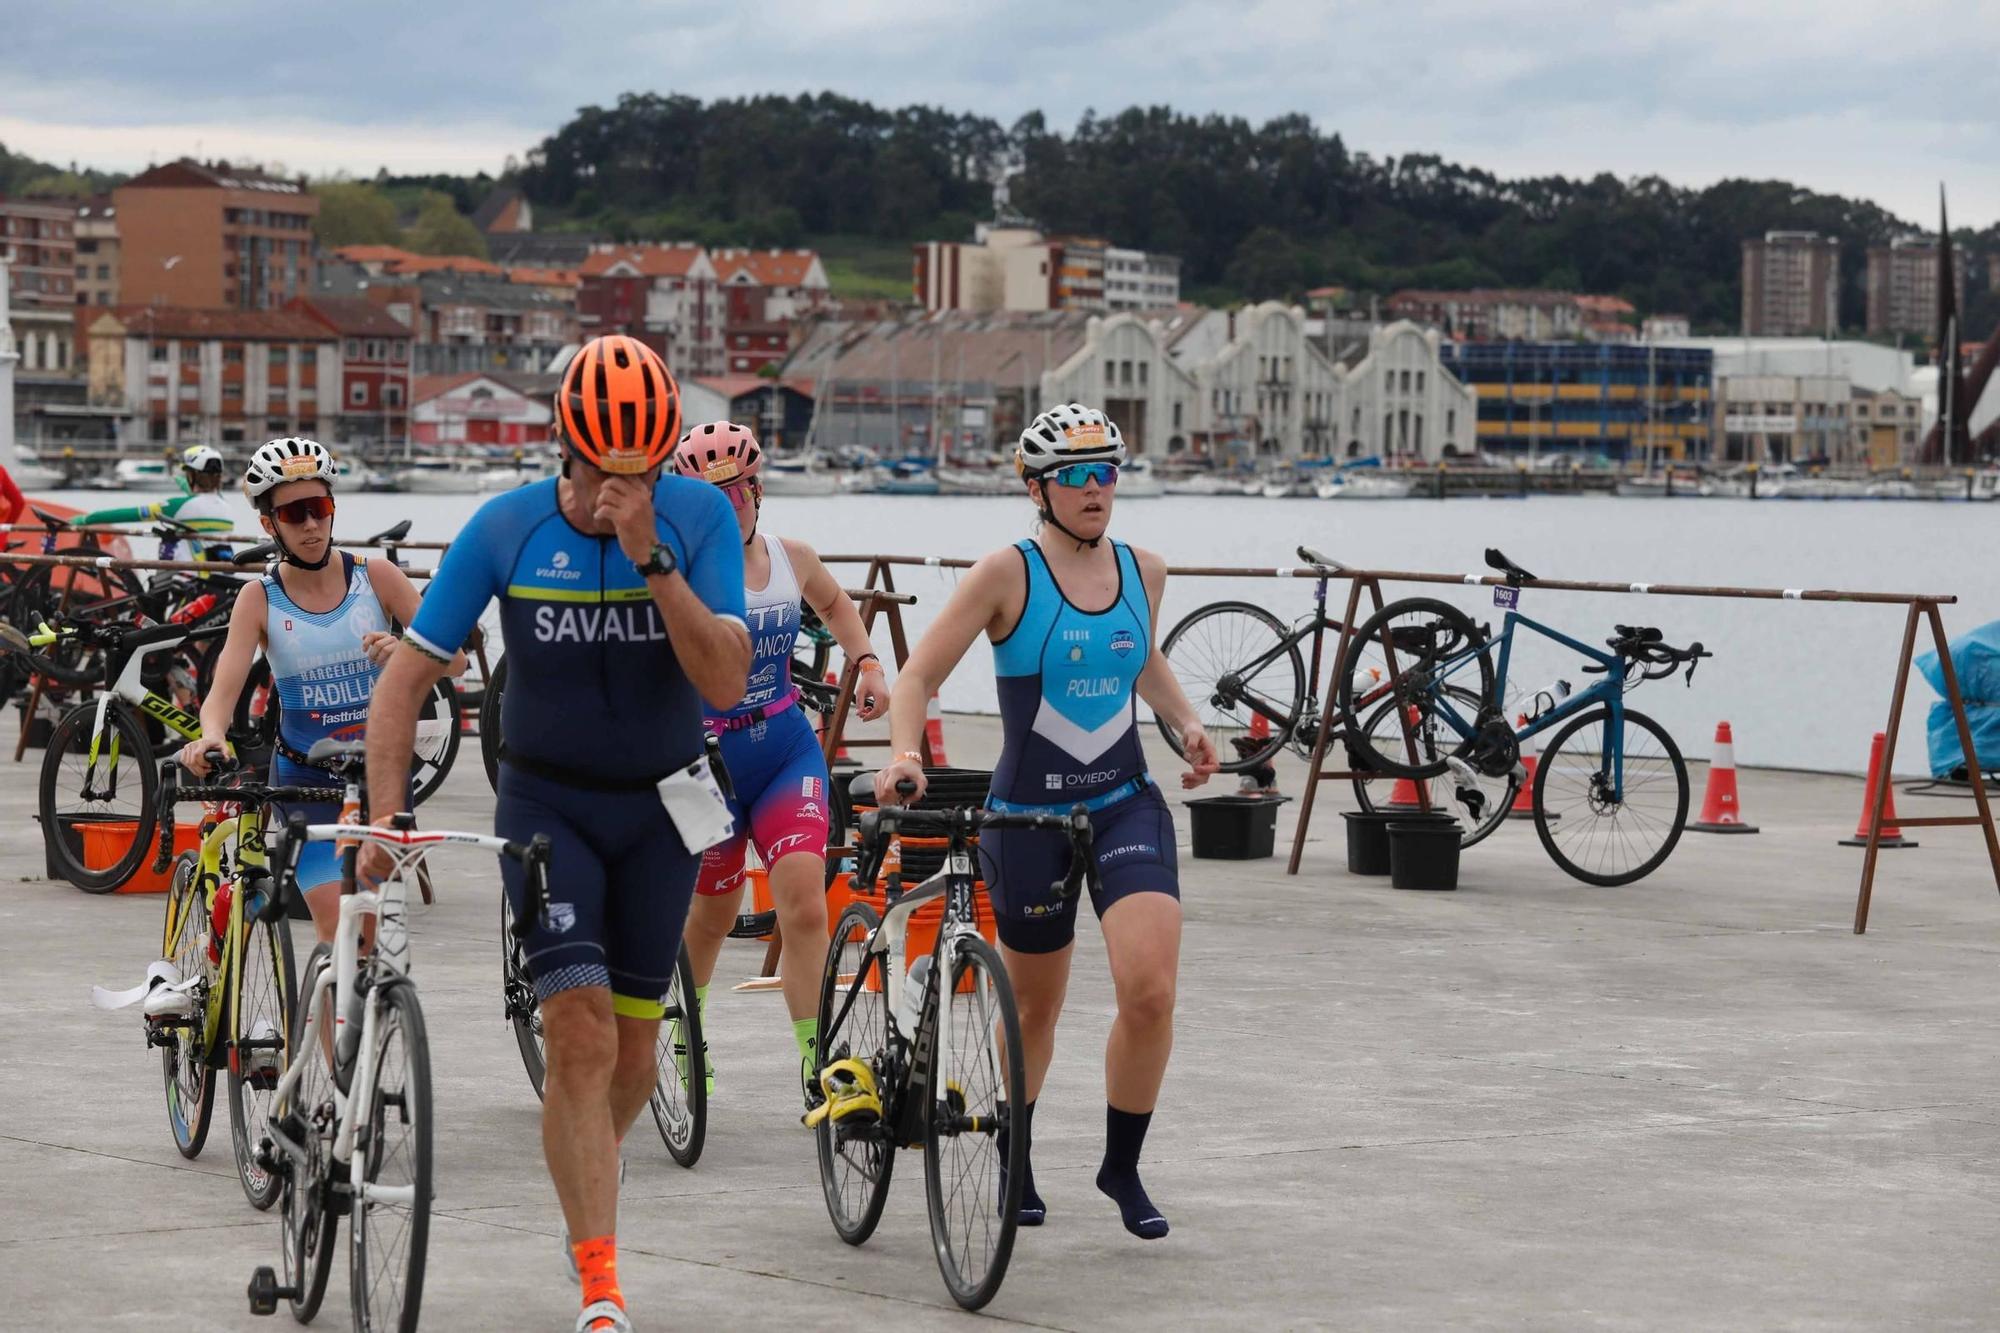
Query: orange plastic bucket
x=920 y=937
x=106 y=841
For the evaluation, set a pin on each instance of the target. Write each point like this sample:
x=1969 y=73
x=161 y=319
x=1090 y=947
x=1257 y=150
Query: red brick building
x=375 y=366
x=221 y=377
x=664 y=295
x=497 y=408
x=208 y=235
x=38 y=245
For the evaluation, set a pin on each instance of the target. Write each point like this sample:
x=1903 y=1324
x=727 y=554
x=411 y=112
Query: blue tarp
x=1976 y=658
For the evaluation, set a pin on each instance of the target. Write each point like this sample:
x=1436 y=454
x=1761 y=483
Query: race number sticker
x=1506 y=598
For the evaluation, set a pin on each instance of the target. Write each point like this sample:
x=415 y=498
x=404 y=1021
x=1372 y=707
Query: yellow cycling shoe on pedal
x=849 y=1086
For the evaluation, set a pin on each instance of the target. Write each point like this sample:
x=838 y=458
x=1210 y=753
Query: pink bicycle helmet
x=721 y=452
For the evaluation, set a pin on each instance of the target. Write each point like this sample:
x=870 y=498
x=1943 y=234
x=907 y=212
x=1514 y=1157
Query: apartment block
x=1791 y=285
x=223 y=377
x=1903 y=286
x=211 y=236
x=38 y=245
x=1017 y=268
x=664 y=295
x=97 y=252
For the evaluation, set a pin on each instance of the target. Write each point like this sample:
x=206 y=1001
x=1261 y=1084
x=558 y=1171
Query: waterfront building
x=97 y=251
x=1587 y=400
x=663 y=295
x=230 y=378
x=208 y=235
x=376 y=369
x=1903 y=286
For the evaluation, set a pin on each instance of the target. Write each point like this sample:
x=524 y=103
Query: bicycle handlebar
x=1648 y=657
x=878 y=825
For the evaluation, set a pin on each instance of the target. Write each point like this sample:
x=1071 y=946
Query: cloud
x=1869 y=100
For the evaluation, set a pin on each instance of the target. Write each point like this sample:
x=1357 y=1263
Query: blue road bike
x=1610 y=792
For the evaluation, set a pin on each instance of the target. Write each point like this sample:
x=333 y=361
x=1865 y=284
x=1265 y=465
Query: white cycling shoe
x=603 y=1317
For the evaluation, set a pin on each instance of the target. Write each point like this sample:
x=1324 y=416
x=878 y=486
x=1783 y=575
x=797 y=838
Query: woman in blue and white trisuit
x=322 y=618
x=1072 y=617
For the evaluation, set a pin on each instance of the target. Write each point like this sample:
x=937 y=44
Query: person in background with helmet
x=1072 y=619
x=773 y=756
x=200 y=506
x=621 y=604
x=323 y=624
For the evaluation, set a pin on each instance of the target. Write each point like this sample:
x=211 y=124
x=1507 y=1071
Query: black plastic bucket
x=1423 y=854
x=1368 y=836
x=1235 y=828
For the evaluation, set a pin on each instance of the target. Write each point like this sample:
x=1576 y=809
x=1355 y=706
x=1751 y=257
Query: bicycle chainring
x=1496 y=749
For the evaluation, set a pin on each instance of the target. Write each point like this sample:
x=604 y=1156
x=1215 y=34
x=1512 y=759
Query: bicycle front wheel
x=1236 y=662
x=390 y=1230
x=260 y=1037
x=974 y=1086
x=1479 y=803
x=1396 y=655
x=856 y=1155
x=1603 y=821
x=306 y=1225
x=680 y=1085
x=102 y=776
x=489 y=724
x=184 y=1063
x=517 y=993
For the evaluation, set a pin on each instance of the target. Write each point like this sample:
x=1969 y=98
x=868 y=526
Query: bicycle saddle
x=395 y=534
x=1312 y=557
x=1496 y=559
x=49 y=520
x=338 y=756
x=1634 y=634
x=255 y=555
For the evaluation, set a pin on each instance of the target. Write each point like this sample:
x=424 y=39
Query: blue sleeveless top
x=323 y=678
x=1069 y=728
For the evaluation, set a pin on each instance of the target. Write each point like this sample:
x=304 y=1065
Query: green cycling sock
x=805 y=1031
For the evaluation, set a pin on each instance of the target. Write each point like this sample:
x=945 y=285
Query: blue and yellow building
x=1612 y=400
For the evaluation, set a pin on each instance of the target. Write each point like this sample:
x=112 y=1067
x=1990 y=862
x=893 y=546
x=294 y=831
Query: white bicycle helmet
x=290 y=458
x=1068 y=433
x=201 y=458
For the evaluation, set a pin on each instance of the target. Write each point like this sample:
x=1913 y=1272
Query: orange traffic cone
x=934 y=732
x=1260 y=727
x=1403 y=796
x=1878 y=771
x=1524 y=797
x=1721 y=812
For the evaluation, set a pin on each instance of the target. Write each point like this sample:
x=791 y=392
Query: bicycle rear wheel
x=680 y=1086
x=1479 y=803
x=1395 y=655
x=306 y=1225
x=1603 y=837
x=389 y=1234
x=1235 y=662
x=259 y=1045
x=437 y=741
x=489 y=722
x=184 y=1064
x=855 y=1160
x=104 y=776
x=517 y=993
x=972 y=1217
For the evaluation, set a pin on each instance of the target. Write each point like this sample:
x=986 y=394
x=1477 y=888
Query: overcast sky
x=1878 y=100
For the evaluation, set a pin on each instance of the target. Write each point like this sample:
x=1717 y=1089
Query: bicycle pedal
x=265 y=1293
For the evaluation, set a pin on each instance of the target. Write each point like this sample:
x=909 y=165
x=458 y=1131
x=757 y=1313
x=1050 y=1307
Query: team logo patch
x=560 y=560
x=1076 y=652
x=1122 y=642
x=562 y=917
x=1054 y=781
x=288 y=627
x=303 y=466
x=722 y=470
x=809 y=788
x=810 y=809
x=1088 y=436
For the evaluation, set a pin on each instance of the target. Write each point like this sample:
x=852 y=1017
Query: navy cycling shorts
x=620 y=879
x=1134 y=846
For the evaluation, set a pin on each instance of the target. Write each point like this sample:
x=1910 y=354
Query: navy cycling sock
x=1033 y=1212
x=1124 y=1135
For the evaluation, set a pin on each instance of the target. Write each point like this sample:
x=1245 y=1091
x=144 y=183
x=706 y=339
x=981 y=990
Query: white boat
x=140 y=474
x=974 y=481
x=1138 y=481
x=1985 y=485
x=30 y=474
x=439 y=476
x=1201 y=483
x=1284 y=484
x=798 y=476
x=1896 y=488
x=1363 y=486
x=1655 y=485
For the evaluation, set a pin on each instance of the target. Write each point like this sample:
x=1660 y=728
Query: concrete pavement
x=1698 y=1101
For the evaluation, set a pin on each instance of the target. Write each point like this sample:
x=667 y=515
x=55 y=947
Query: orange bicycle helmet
x=618 y=406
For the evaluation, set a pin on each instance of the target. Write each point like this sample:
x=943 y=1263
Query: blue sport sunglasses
x=1079 y=475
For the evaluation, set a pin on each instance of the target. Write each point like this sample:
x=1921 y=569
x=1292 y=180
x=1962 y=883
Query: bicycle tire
x=976 y=1206
x=428 y=771
x=369 y=1233
x=185 y=1068
x=1365 y=648
x=863 y=1034
x=817 y=645
x=252 y=1075
x=523 y=1008
x=130 y=760
x=1442 y=790
x=489 y=723
x=1575 y=819
x=1204 y=667
x=306 y=1226
x=681 y=1119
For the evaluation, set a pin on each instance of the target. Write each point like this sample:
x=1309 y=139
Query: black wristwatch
x=661 y=561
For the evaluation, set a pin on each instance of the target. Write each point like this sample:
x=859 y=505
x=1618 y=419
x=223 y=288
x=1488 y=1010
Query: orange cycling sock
x=597 y=1267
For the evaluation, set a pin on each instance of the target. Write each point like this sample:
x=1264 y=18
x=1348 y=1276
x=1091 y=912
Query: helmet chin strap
x=293 y=560
x=1048 y=515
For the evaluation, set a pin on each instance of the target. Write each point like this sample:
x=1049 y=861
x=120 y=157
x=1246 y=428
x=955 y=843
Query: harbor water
x=1804 y=684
